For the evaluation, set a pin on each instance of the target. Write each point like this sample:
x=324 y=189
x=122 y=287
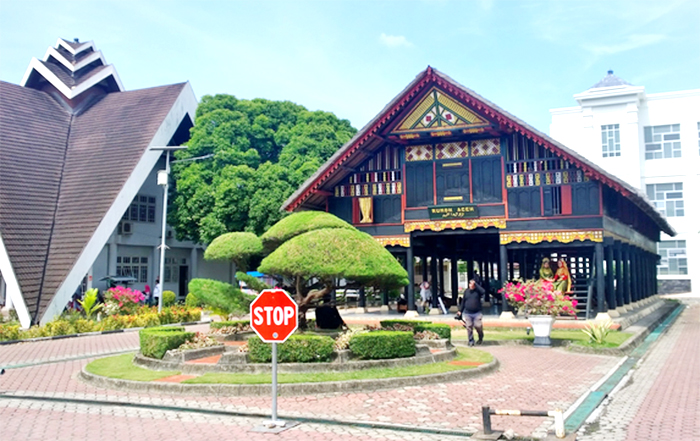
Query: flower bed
x=538 y=297
x=143 y=316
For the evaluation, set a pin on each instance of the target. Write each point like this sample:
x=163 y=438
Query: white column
x=194 y=263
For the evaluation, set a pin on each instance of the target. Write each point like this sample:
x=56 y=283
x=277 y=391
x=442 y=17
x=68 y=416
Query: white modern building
x=652 y=141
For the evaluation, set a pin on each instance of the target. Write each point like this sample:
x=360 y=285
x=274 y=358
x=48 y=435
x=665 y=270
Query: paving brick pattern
x=529 y=378
x=52 y=350
x=662 y=400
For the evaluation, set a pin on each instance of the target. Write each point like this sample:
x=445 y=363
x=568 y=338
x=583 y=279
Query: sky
x=352 y=57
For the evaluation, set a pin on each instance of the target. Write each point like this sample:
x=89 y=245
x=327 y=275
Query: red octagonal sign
x=273 y=315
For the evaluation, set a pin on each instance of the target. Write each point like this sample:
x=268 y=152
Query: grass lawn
x=576 y=336
x=463 y=354
x=122 y=368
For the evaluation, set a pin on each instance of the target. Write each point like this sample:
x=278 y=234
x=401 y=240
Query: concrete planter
x=542 y=328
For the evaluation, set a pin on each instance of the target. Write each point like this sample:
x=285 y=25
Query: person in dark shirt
x=470 y=312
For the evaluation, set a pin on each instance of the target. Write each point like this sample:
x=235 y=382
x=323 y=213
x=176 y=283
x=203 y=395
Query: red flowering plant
x=121 y=300
x=538 y=297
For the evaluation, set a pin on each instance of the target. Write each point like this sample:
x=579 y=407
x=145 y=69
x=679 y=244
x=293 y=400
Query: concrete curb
x=655 y=314
x=285 y=389
x=87 y=334
x=259 y=368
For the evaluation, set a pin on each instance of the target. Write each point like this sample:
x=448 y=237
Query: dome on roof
x=610 y=80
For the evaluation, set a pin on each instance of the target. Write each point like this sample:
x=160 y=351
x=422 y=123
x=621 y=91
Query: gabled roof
x=72 y=68
x=62 y=172
x=69 y=169
x=371 y=135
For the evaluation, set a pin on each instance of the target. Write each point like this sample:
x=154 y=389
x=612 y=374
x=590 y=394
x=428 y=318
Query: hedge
x=155 y=342
x=441 y=329
x=297 y=349
x=382 y=345
x=169 y=298
x=229 y=323
x=412 y=323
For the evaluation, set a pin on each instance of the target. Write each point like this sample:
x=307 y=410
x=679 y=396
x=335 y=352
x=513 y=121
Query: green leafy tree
x=262 y=151
x=317 y=246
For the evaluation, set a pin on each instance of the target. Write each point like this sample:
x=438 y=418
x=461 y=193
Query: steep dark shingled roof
x=73 y=80
x=66 y=190
x=34 y=131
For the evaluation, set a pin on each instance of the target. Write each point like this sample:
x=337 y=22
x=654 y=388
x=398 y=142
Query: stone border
x=285 y=389
x=648 y=322
x=423 y=356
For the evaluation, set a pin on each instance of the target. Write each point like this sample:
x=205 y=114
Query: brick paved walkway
x=528 y=378
x=51 y=350
x=662 y=400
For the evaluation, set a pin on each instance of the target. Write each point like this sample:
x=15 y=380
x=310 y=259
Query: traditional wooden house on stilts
x=442 y=175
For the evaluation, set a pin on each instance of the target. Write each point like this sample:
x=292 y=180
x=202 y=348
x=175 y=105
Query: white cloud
x=634 y=41
x=394 y=40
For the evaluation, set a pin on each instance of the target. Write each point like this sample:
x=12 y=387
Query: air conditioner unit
x=127 y=228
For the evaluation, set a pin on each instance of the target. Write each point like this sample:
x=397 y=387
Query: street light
x=163 y=181
x=163 y=177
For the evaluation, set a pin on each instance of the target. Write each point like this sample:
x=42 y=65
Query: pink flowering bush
x=538 y=297
x=121 y=300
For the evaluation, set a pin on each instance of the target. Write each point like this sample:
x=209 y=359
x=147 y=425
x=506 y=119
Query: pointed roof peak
x=72 y=68
x=610 y=80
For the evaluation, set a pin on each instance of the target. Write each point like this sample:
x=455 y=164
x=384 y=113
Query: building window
x=673 y=258
x=142 y=209
x=662 y=141
x=611 y=140
x=699 y=138
x=668 y=198
x=171 y=270
x=130 y=266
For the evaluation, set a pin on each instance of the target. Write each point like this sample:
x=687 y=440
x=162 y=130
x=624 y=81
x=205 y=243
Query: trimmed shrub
x=193 y=301
x=84 y=325
x=168 y=298
x=60 y=327
x=297 y=349
x=229 y=324
x=221 y=296
x=411 y=323
x=9 y=332
x=155 y=342
x=382 y=345
x=441 y=329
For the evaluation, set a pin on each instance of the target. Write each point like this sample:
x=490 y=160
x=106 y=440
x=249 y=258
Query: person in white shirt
x=157 y=291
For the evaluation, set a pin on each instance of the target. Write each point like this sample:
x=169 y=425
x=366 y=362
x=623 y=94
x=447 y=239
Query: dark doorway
x=182 y=281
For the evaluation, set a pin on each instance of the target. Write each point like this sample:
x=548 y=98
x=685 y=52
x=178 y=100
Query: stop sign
x=273 y=315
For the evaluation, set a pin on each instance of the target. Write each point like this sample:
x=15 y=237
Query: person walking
x=425 y=296
x=470 y=312
x=157 y=292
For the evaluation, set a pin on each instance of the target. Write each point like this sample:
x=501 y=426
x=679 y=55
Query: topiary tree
x=236 y=248
x=299 y=223
x=317 y=246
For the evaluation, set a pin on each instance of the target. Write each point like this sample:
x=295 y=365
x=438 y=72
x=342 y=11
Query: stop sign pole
x=274 y=317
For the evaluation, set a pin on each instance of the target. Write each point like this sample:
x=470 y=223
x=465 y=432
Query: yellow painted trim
x=563 y=236
x=453 y=198
x=464 y=224
x=401 y=241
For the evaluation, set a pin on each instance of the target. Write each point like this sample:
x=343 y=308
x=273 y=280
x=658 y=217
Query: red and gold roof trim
x=464 y=224
x=562 y=236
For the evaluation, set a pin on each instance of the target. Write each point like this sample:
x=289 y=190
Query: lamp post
x=163 y=178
